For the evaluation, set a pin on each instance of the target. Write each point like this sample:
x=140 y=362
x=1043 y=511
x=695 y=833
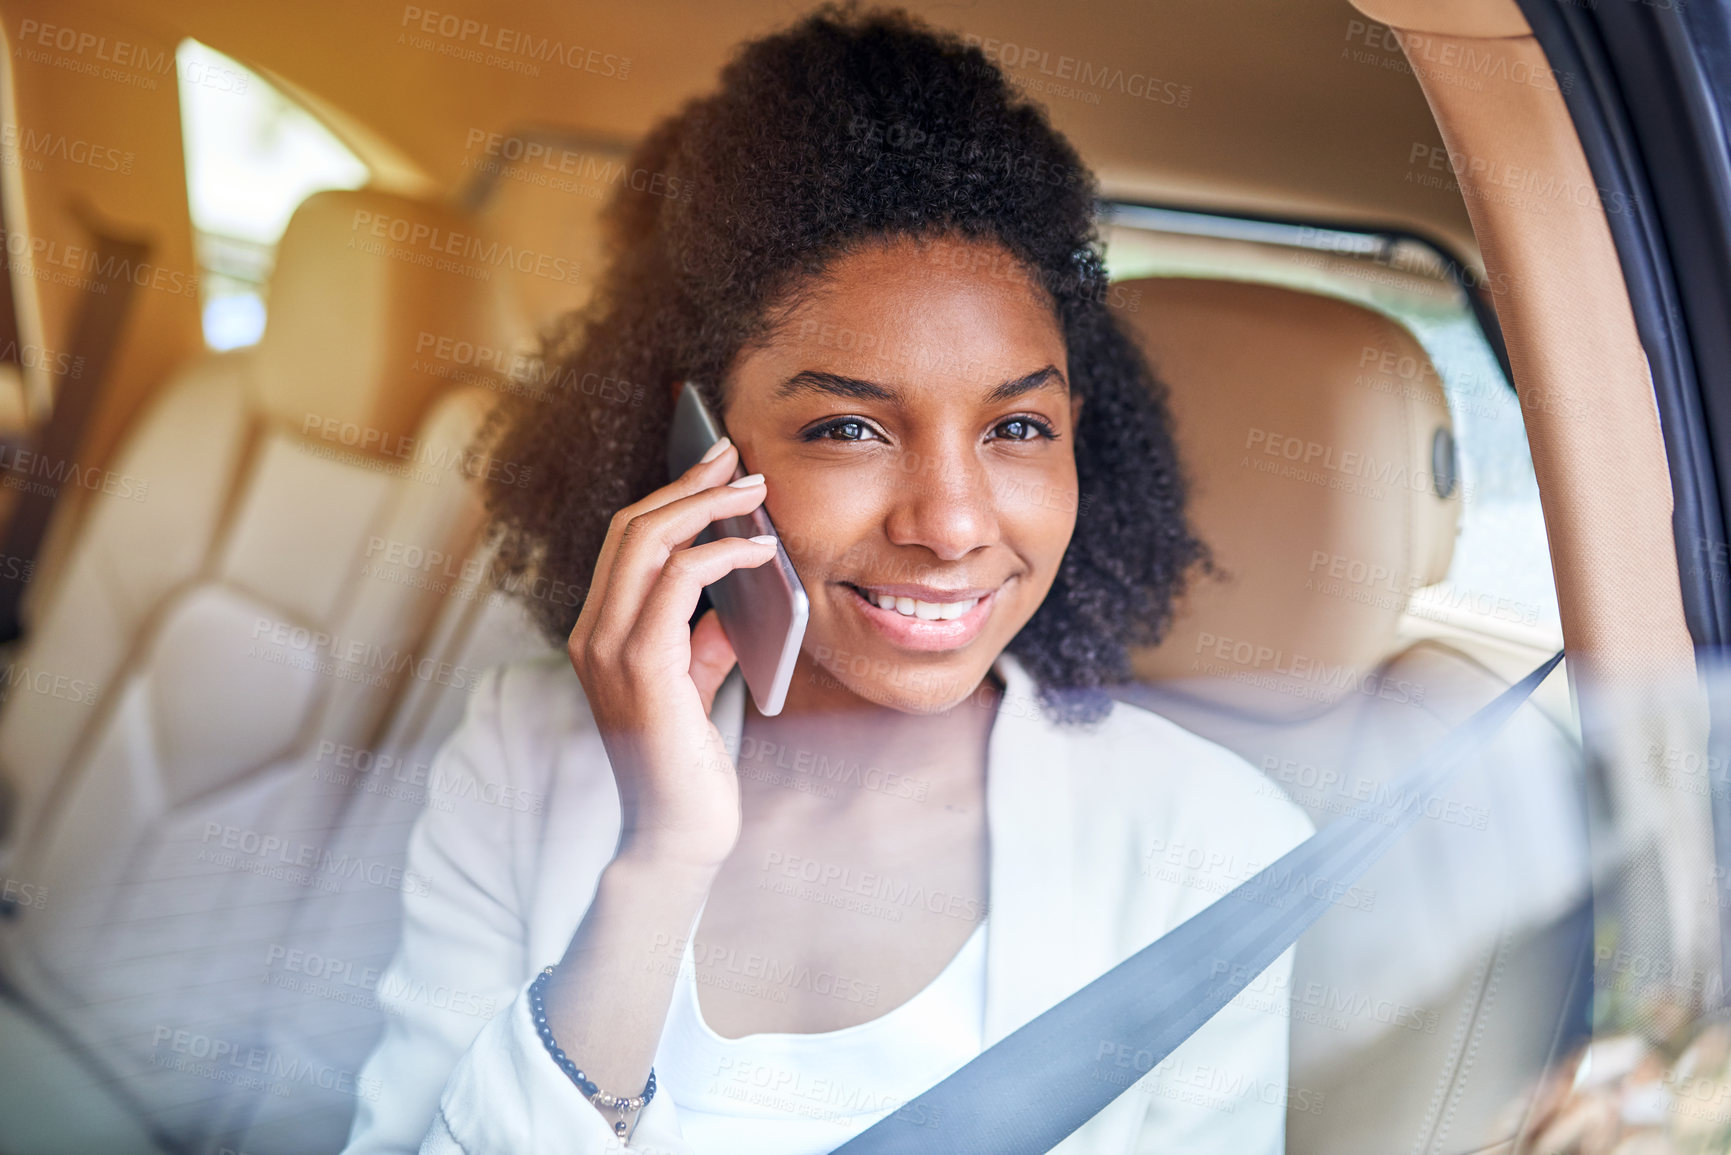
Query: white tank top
x=805 y=1094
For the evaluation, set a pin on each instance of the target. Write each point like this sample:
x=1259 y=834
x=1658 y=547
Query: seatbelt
x=1025 y=1093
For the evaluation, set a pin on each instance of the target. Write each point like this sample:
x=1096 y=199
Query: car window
x=252 y=156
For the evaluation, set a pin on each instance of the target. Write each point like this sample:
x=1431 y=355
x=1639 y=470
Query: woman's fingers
x=654 y=538
x=673 y=597
x=651 y=681
x=712 y=657
x=704 y=475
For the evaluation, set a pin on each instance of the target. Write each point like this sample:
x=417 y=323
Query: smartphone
x=762 y=610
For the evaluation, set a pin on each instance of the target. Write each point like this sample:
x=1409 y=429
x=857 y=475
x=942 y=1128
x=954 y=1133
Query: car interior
x=248 y=591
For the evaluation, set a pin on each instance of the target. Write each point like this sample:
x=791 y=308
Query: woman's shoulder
x=532 y=711
x=1172 y=781
x=544 y=686
x=1178 y=819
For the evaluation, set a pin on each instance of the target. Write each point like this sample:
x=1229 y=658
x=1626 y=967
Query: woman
x=881 y=267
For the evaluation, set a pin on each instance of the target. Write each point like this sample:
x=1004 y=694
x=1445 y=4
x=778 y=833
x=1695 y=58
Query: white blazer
x=1102 y=838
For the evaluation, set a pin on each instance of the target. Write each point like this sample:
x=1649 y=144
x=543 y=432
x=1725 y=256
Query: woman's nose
x=945 y=504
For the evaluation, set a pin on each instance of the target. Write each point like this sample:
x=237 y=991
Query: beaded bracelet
x=538 y=1010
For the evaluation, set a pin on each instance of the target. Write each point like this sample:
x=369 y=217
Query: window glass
x=252 y=156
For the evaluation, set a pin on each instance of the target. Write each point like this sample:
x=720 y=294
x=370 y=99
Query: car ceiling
x=1286 y=108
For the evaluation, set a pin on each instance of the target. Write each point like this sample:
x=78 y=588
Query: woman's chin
x=898 y=686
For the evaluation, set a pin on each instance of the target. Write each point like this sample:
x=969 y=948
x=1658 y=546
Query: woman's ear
x=1075 y=409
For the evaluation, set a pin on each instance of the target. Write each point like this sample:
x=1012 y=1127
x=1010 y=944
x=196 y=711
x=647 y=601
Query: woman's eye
x=1023 y=429
x=847 y=429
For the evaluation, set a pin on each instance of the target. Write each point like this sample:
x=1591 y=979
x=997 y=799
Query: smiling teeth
x=929 y=611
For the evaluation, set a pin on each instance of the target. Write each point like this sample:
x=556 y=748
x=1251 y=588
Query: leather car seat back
x=262 y=589
x=1316 y=440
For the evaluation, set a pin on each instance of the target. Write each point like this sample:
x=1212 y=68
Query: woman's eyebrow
x=836 y=385
x=1010 y=390
x=813 y=381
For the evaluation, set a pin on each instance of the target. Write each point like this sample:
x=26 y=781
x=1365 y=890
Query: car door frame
x=1651 y=118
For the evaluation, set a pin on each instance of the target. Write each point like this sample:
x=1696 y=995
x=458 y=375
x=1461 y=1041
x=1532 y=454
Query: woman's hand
x=650 y=680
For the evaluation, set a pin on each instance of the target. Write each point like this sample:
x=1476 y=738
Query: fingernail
x=764 y=539
x=713 y=452
x=747 y=481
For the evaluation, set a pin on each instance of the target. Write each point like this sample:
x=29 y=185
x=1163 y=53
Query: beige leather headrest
x=377 y=304
x=559 y=220
x=1316 y=440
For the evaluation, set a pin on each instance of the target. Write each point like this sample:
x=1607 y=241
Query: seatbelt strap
x=1025 y=1093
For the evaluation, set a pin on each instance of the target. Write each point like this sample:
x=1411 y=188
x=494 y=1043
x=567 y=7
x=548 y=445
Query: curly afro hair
x=846 y=128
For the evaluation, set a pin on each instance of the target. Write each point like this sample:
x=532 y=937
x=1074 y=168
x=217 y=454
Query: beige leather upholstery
x=288 y=583
x=557 y=220
x=1475 y=18
x=1431 y=994
x=352 y=300
x=1307 y=421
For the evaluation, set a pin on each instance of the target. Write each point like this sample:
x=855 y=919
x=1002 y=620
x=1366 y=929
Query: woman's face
x=914 y=424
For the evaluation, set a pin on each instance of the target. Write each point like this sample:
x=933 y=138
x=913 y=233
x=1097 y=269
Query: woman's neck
x=840 y=752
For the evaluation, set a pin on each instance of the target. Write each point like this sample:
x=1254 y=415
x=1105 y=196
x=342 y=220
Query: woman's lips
x=924 y=634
